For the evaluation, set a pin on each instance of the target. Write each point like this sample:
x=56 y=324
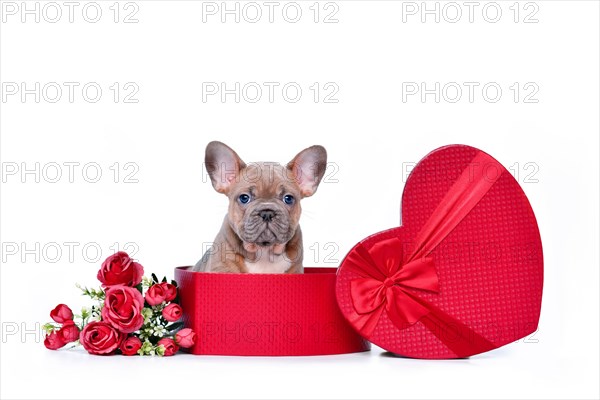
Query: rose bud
x=119 y=269
x=170 y=346
x=123 y=308
x=172 y=312
x=99 y=337
x=69 y=332
x=170 y=291
x=61 y=314
x=156 y=294
x=185 y=338
x=130 y=346
x=53 y=341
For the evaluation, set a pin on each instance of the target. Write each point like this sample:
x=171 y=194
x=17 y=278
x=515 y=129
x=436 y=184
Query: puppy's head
x=264 y=198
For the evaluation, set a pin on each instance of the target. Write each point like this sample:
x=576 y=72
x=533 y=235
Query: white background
x=373 y=53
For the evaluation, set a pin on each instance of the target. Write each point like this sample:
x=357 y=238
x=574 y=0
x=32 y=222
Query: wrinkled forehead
x=267 y=177
x=266 y=172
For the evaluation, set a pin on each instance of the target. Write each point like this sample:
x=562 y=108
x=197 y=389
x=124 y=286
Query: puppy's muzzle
x=266 y=226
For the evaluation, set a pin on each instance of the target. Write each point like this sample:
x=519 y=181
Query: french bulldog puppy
x=260 y=233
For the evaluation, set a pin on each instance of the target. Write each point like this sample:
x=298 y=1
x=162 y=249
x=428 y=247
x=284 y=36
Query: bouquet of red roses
x=133 y=315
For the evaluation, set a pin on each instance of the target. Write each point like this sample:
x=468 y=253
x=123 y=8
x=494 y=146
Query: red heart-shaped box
x=483 y=284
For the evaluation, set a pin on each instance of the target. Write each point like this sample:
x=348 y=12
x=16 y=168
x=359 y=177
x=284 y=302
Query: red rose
x=185 y=338
x=170 y=346
x=172 y=312
x=119 y=269
x=69 y=332
x=54 y=341
x=100 y=338
x=130 y=346
x=170 y=291
x=61 y=314
x=123 y=308
x=156 y=294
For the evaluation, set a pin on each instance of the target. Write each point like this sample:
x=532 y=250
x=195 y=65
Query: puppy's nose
x=266 y=215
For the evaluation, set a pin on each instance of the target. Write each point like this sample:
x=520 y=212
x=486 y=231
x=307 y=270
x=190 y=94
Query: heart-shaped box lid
x=464 y=272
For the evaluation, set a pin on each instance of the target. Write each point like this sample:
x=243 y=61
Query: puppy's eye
x=288 y=199
x=244 y=198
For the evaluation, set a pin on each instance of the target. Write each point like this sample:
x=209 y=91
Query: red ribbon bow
x=387 y=282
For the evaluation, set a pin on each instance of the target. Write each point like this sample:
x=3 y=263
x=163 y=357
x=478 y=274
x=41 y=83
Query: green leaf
x=173 y=282
x=154 y=278
x=92 y=293
x=164 y=280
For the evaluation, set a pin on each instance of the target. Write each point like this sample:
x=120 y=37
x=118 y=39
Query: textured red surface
x=266 y=314
x=490 y=267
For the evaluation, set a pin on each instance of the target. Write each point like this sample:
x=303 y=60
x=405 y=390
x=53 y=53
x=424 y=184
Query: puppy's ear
x=307 y=169
x=223 y=166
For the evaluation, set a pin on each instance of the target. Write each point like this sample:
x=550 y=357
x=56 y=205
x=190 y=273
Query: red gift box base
x=266 y=314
